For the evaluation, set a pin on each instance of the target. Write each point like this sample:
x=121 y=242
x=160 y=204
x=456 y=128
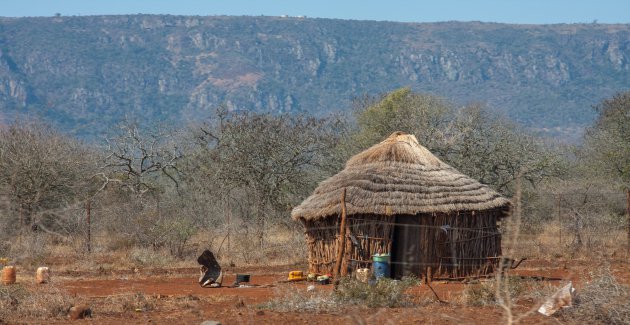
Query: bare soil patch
x=173 y=296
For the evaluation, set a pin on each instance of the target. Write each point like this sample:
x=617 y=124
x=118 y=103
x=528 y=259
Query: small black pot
x=242 y=278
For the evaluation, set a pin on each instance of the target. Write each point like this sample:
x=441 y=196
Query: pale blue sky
x=506 y=11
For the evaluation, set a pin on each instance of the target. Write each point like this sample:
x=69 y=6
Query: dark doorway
x=406 y=256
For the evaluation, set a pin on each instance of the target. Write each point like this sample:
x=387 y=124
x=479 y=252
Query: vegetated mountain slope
x=88 y=72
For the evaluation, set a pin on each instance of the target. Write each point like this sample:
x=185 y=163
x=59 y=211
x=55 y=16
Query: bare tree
x=42 y=174
x=494 y=150
x=262 y=164
x=140 y=160
x=140 y=176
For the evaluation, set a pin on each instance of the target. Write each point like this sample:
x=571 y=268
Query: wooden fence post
x=560 y=217
x=628 y=214
x=88 y=210
x=341 y=242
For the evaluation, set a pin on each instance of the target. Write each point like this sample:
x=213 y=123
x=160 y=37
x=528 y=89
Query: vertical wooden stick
x=229 y=222
x=89 y=225
x=628 y=214
x=22 y=223
x=560 y=217
x=342 y=236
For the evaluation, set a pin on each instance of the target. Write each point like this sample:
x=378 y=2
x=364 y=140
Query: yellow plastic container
x=296 y=276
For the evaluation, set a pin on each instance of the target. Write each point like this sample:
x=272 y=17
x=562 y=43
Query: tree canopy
x=608 y=141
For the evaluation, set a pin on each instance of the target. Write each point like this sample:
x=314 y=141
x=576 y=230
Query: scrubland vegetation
x=229 y=183
x=152 y=196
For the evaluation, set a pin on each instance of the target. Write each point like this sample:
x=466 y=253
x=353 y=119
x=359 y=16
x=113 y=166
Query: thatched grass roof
x=398 y=176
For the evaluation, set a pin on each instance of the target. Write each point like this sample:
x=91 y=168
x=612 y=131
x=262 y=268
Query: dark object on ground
x=242 y=278
x=211 y=275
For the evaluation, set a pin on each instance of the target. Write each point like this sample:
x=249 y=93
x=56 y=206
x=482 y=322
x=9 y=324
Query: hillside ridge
x=85 y=73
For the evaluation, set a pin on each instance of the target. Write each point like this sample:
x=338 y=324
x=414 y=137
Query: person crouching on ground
x=210 y=271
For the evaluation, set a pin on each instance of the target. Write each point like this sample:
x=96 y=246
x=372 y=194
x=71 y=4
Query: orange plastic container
x=8 y=275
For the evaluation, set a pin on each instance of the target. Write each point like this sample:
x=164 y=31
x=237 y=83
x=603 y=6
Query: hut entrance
x=406 y=251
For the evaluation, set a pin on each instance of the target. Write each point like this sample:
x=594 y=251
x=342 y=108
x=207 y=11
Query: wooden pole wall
x=471 y=246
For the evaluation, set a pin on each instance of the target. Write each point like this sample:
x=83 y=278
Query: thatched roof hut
x=403 y=200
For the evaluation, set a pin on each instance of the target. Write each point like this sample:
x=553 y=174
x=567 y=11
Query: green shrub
x=384 y=293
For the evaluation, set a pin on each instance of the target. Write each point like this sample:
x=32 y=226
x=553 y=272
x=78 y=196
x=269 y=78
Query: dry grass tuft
x=288 y=299
x=147 y=257
x=604 y=239
x=127 y=302
x=603 y=300
x=484 y=293
x=17 y=302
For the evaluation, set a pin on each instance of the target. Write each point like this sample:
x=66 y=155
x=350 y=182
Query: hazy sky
x=508 y=11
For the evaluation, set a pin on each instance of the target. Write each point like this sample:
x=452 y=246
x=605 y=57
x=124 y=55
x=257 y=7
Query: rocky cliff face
x=88 y=72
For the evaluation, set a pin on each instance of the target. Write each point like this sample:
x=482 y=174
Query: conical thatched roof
x=398 y=176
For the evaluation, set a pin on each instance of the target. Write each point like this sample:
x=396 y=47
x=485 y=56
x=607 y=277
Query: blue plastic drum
x=380 y=266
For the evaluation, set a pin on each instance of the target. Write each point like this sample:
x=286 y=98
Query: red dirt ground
x=242 y=305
